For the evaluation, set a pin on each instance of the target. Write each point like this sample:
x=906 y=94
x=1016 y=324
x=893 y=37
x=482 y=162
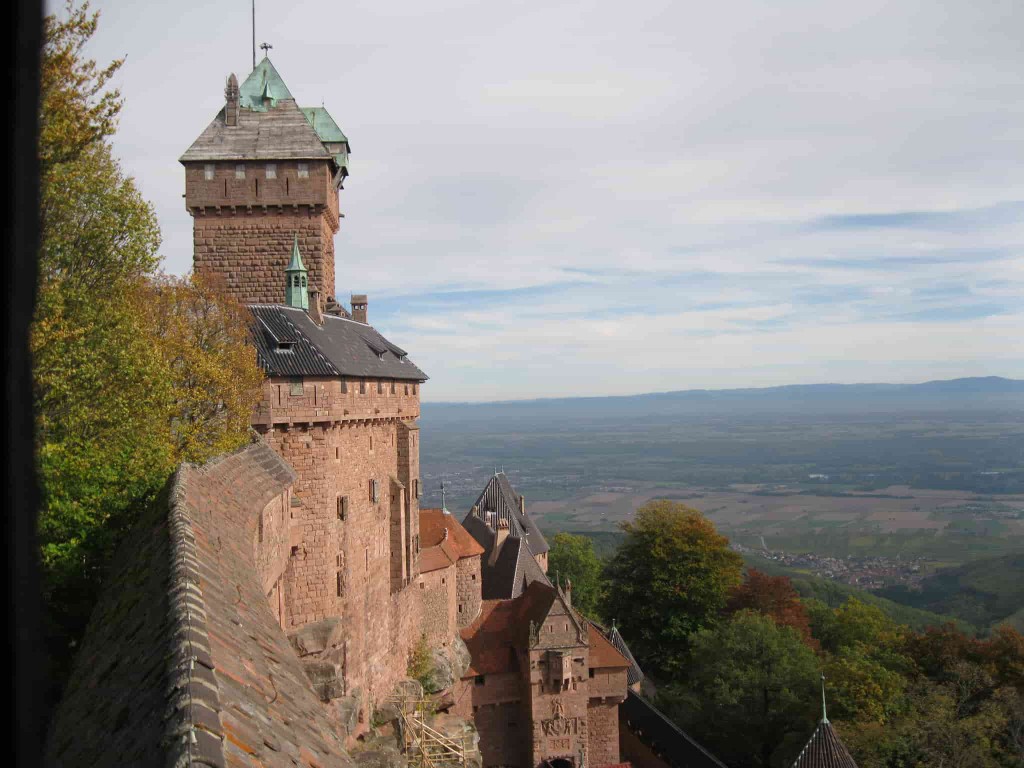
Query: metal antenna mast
x=254 y=34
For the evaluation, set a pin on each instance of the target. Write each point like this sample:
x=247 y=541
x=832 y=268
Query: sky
x=558 y=198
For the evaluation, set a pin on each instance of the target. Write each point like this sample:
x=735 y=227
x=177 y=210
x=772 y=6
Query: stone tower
x=264 y=175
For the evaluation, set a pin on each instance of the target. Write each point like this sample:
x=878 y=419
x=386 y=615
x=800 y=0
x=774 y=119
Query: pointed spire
x=296 y=280
x=824 y=713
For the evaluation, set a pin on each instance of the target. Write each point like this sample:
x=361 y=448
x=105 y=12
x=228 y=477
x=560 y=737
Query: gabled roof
x=603 y=654
x=634 y=674
x=263 y=83
x=499 y=497
x=514 y=568
x=664 y=738
x=270 y=126
x=184 y=662
x=824 y=750
x=340 y=347
x=281 y=133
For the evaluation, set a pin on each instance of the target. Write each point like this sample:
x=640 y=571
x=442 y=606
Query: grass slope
x=983 y=592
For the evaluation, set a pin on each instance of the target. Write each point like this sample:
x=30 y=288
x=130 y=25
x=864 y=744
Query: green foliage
x=572 y=558
x=131 y=373
x=851 y=624
x=982 y=592
x=750 y=692
x=420 y=665
x=670 y=578
x=834 y=594
x=78 y=111
x=201 y=335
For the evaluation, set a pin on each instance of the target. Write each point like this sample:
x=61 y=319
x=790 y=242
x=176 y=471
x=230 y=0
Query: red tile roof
x=434 y=523
x=602 y=653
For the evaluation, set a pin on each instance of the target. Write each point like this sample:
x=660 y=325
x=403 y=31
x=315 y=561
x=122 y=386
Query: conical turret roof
x=824 y=750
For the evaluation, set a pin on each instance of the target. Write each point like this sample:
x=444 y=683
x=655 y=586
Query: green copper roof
x=296 y=264
x=296 y=291
x=330 y=134
x=263 y=83
x=323 y=124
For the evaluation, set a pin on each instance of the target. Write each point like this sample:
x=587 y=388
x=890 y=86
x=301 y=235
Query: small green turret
x=297 y=290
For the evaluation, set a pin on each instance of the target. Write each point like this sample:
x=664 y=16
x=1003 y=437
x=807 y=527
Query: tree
x=774 y=597
x=752 y=692
x=77 y=110
x=852 y=623
x=572 y=558
x=861 y=688
x=201 y=334
x=127 y=379
x=670 y=577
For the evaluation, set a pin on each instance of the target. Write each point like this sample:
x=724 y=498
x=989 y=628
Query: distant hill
x=986 y=392
x=982 y=592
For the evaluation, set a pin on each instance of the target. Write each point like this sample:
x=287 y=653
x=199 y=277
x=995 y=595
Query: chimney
x=316 y=311
x=359 y=308
x=522 y=505
x=499 y=539
x=231 y=101
x=567 y=592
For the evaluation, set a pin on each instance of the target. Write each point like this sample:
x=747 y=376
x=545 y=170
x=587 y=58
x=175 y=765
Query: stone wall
x=468 y=584
x=501 y=727
x=342 y=557
x=243 y=228
x=638 y=754
x=603 y=733
x=439 y=606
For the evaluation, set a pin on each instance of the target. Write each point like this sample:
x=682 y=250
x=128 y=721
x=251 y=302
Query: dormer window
x=303 y=170
x=271 y=171
x=209 y=170
x=239 y=171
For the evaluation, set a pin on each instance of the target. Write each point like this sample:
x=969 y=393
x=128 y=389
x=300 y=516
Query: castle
x=266 y=610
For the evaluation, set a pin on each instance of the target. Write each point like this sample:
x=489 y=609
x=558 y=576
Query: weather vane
x=265 y=47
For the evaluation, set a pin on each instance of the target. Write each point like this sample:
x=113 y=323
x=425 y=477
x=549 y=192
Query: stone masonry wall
x=243 y=228
x=250 y=251
x=342 y=567
x=439 y=606
x=603 y=733
x=501 y=728
x=468 y=583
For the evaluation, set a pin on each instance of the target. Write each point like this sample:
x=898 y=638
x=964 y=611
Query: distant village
x=857 y=571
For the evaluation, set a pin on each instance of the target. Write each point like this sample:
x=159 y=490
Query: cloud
x=566 y=197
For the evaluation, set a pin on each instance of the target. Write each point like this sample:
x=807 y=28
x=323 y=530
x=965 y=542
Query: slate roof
x=280 y=133
x=271 y=126
x=499 y=497
x=289 y=343
x=663 y=737
x=634 y=674
x=183 y=662
x=513 y=570
x=824 y=750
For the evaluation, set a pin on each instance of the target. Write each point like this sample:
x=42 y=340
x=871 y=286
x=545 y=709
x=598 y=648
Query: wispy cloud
x=556 y=198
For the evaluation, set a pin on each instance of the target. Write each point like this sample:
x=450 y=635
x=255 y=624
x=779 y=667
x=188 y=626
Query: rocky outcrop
x=447 y=666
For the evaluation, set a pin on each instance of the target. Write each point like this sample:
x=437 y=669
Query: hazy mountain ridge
x=976 y=393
